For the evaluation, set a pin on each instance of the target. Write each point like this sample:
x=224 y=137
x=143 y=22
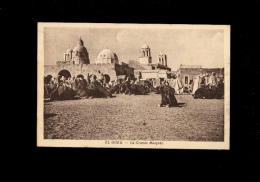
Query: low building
x=186 y=73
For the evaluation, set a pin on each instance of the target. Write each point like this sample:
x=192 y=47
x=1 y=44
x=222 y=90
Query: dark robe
x=167 y=96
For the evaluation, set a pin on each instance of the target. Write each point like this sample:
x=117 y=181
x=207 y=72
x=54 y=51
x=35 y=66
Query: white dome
x=145 y=46
x=69 y=51
x=107 y=56
x=161 y=54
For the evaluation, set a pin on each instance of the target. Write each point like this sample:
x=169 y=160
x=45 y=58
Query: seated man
x=68 y=82
x=167 y=95
x=126 y=86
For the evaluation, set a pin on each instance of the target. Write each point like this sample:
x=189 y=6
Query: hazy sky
x=203 y=47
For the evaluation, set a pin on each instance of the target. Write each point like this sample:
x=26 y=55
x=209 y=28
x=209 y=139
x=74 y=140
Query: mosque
x=76 y=62
x=147 y=69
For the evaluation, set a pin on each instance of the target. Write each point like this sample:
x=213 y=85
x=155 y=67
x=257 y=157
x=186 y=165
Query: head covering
x=94 y=77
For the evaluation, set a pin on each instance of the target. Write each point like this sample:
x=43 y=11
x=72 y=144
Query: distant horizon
x=204 y=47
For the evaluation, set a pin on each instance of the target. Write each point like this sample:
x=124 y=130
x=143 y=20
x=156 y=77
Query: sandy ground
x=134 y=117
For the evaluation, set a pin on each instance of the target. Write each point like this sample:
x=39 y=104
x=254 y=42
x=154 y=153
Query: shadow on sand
x=74 y=98
x=46 y=116
x=46 y=101
x=180 y=104
x=176 y=105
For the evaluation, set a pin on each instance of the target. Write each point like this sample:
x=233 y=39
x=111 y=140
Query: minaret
x=162 y=59
x=145 y=55
x=68 y=54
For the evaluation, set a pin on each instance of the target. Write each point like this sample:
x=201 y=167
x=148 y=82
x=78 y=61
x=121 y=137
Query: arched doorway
x=80 y=76
x=65 y=73
x=107 y=78
x=125 y=72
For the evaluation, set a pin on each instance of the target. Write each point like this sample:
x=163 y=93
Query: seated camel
x=62 y=92
x=210 y=93
x=137 y=89
x=94 y=89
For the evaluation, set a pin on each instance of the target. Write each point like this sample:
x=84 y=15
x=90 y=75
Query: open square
x=135 y=117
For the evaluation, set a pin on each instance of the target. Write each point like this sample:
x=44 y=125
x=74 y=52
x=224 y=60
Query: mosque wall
x=137 y=66
x=163 y=74
x=146 y=75
x=145 y=60
x=52 y=69
x=124 y=69
x=112 y=70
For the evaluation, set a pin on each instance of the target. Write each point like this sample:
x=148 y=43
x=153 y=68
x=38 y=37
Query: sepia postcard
x=104 y=85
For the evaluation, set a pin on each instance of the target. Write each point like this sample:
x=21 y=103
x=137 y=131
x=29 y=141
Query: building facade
x=186 y=73
x=76 y=62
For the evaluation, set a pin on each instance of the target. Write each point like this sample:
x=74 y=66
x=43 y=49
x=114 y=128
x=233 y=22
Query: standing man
x=213 y=80
x=195 y=85
x=139 y=76
x=206 y=80
x=104 y=81
x=101 y=78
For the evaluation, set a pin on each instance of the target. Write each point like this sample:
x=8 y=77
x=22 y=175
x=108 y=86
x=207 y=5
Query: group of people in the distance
x=94 y=85
x=62 y=88
x=209 y=87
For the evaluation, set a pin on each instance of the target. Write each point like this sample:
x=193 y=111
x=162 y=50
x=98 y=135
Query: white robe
x=176 y=84
x=195 y=85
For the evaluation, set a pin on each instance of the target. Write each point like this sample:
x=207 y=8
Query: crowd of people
x=97 y=83
x=129 y=85
x=206 y=82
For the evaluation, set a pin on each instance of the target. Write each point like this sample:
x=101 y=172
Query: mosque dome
x=80 y=46
x=107 y=56
x=69 y=51
x=80 y=49
x=145 y=46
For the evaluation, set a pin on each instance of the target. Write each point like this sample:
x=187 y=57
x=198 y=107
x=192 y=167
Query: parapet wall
x=110 y=69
